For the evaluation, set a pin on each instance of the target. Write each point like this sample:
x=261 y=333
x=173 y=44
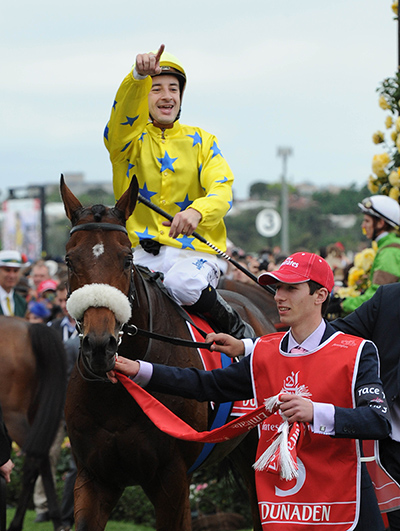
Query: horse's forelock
x=98 y=212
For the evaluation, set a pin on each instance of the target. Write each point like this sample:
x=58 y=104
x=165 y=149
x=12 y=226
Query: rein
x=131 y=329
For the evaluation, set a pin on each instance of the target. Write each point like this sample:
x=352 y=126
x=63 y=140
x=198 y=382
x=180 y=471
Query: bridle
x=131 y=329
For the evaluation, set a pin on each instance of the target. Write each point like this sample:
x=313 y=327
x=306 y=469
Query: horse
x=114 y=443
x=32 y=397
x=262 y=299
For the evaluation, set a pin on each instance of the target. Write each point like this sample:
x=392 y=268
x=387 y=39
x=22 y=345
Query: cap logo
x=290 y=262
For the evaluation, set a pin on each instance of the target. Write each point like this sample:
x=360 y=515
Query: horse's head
x=99 y=260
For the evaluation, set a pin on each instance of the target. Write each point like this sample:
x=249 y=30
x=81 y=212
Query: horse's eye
x=68 y=263
x=128 y=262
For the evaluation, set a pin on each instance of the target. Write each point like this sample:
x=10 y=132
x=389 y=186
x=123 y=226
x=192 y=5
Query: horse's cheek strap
x=99 y=295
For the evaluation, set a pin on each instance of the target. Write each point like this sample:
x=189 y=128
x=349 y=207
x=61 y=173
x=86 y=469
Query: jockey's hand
x=148 y=64
x=184 y=222
x=5 y=470
x=227 y=344
x=296 y=408
x=125 y=366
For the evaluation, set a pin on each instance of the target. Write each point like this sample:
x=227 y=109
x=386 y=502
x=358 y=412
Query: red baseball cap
x=301 y=267
x=47 y=285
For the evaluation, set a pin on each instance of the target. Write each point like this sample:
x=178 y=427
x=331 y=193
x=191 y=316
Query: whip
x=203 y=240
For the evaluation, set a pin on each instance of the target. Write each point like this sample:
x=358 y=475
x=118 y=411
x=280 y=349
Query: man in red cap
x=327 y=391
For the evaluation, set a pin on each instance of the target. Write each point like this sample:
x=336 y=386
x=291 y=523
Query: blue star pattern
x=185 y=203
x=144 y=235
x=215 y=149
x=126 y=146
x=142 y=136
x=130 y=166
x=130 y=121
x=196 y=139
x=186 y=242
x=114 y=104
x=146 y=193
x=200 y=168
x=106 y=132
x=230 y=203
x=223 y=180
x=166 y=162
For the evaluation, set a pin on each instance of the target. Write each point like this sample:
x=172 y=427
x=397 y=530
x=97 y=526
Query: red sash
x=318 y=498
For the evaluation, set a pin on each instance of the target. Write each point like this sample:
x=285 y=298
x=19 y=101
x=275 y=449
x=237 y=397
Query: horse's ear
x=71 y=203
x=127 y=202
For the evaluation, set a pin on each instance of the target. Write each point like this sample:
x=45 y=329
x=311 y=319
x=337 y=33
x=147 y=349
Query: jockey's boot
x=221 y=314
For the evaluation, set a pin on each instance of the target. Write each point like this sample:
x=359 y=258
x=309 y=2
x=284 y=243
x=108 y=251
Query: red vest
x=327 y=491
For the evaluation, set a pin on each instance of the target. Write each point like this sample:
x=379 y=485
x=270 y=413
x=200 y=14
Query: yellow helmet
x=171 y=65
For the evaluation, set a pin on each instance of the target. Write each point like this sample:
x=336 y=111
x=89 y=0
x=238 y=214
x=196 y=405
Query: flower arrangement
x=385 y=178
x=358 y=277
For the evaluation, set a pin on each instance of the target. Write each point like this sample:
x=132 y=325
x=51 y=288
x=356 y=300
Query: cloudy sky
x=262 y=74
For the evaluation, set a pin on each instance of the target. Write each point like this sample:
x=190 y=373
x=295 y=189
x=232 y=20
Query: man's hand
x=296 y=408
x=227 y=344
x=148 y=64
x=184 y=222
x=5 y=470
x=125 y=366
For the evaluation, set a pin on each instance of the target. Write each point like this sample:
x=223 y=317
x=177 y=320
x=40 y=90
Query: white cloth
x=186 y=273
x=3 y=301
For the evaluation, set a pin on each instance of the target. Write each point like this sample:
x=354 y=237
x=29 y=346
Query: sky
x=262 y=74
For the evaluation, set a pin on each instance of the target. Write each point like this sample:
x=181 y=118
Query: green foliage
x=345 y=202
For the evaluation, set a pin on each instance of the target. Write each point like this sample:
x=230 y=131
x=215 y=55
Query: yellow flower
x=393 y=135
x=395 y=7
x=364 y=259
x=394 y=178
x=383 y=104
x=397 y=124
x=355 y=273
x=394 y=193
x=378 y=137
x=348 y=291
x=389 y=122
x=379 y=163
x=372 y=184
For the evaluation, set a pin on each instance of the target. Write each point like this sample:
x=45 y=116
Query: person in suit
x=327 y=388
x=378 y=320
x=6 y=464
x=11 y=302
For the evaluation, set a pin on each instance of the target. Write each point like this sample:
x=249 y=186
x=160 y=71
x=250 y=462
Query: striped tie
x=9 y=307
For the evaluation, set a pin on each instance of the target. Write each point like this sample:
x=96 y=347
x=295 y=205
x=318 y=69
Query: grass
x=30 y=525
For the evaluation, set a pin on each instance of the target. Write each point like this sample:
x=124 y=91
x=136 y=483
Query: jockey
x=380 y=223
x=181 y=169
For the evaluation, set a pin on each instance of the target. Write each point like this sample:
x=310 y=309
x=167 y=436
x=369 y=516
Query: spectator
x=381 y=220
x=37 y=312
x=11 y=302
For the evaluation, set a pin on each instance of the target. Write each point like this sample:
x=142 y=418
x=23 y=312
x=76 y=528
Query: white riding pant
x=186 y=273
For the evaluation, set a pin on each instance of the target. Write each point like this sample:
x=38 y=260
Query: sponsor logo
x=290 y=262
x=295 y=513
x=291 y=385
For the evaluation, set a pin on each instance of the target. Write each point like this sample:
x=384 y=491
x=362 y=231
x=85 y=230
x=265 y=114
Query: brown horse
x=114 y=442
x=32 y=396
x=258 y=296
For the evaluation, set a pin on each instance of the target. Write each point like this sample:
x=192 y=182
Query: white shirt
x=3 y=301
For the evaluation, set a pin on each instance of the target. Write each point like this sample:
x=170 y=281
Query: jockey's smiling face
x=164 y=99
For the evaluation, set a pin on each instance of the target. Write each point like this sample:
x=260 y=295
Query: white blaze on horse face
x=98 y=249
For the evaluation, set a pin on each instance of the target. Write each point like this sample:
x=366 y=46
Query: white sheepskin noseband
x=97 y=296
